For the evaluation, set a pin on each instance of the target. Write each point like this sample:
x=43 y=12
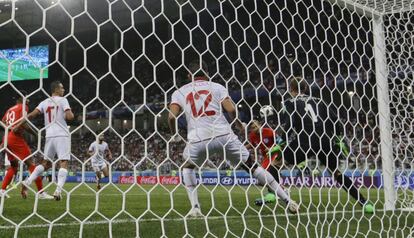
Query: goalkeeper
x=311 y=129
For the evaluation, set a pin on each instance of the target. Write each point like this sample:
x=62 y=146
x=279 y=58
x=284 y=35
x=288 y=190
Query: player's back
x=308 y=114
x=13 y=116
x=54 y=109
x=201 y=102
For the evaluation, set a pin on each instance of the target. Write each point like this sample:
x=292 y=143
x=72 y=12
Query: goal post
x=377 y=11
x=381 y=74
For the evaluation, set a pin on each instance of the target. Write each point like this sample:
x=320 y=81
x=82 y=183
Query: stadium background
x=128 y=74
x=346 y=80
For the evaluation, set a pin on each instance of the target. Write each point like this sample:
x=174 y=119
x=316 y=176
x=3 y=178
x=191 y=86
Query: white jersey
x=201 y=101
x=98 y=150
x=54 y=109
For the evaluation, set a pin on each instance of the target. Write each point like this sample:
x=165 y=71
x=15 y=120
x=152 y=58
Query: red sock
x=8 y=177
x=38 y=181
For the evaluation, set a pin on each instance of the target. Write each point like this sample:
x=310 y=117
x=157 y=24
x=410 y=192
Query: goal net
x=121 y=60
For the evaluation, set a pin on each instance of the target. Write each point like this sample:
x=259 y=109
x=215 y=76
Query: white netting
x=120 y=61
x=400 y=55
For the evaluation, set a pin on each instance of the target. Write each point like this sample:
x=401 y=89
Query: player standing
x=98 y=151
x=17 y=147
x=311 y=129
x=204 y=103
x=56 y=112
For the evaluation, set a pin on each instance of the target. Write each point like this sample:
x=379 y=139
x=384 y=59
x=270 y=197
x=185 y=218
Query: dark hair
x=54 y=85
x=298 y=85
x=20 y=98
x=196 y=70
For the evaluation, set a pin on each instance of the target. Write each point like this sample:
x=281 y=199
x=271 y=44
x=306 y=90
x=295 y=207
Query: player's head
x=20 y=99
x=255 y=126
x=297 y=85
x=57 y=89
x=197 y=70
x=101 y=138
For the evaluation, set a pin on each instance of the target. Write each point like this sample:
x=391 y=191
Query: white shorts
x=59 y=146
x=228 y=146
x=98 y=166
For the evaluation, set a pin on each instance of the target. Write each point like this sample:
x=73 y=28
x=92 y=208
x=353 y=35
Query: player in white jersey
x=56 y=112
x=208 y=132
x=98 y=150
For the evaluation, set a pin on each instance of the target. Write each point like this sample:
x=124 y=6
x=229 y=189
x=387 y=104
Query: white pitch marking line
x=175 y=219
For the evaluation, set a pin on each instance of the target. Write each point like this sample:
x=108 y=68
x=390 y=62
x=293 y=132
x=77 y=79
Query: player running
x=56 y=112
x=17 y=147
x=98 y=150
x=204 y=103
x=311 y=130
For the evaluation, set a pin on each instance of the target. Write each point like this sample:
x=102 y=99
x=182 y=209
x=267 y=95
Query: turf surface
x=154 y=211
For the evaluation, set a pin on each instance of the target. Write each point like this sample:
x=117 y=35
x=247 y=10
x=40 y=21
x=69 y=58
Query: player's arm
x=175 y=110
x=69 y=115
x=229 y=107
x=109 y=153
x=29 y=129
x=68 y=111
x=91 y=150
x=35 y=113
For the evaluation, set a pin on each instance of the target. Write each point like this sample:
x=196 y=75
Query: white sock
x=190 y=183
x=61 y=179
x=265 y=178
x=36 y=172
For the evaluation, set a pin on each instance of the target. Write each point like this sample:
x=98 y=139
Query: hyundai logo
x=226 y=180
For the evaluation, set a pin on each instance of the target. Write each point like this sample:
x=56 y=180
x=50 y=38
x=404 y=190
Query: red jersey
x=13 y=116
x=266 y=140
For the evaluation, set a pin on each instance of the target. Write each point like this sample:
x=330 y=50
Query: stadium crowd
x=362 y=132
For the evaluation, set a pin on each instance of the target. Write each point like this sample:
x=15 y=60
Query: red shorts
x=17 y=147
x=266 y=161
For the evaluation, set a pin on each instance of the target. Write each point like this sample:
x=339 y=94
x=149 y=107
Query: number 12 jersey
x=201 y=102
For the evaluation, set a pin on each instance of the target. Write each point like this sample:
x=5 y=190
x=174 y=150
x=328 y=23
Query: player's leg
x=101 y=171
x=272 y=166
x=9 y=174
x=105 y=170
x=6 y=167
x=97 y=169
x=62 y=146
x=24 y=153
x=39 y=169
x=17 y=149
x=192 y=154
x=98 y=178
x=10 y=163
x=236 y=152
x=38 y=181
x=331 y=161
x=31 y=165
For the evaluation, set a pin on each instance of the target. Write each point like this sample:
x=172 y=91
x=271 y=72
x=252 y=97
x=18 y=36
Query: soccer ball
x=266 y=111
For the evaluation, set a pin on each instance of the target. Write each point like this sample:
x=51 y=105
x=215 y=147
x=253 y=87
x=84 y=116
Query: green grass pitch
x=20 y=74
x=231 y=213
